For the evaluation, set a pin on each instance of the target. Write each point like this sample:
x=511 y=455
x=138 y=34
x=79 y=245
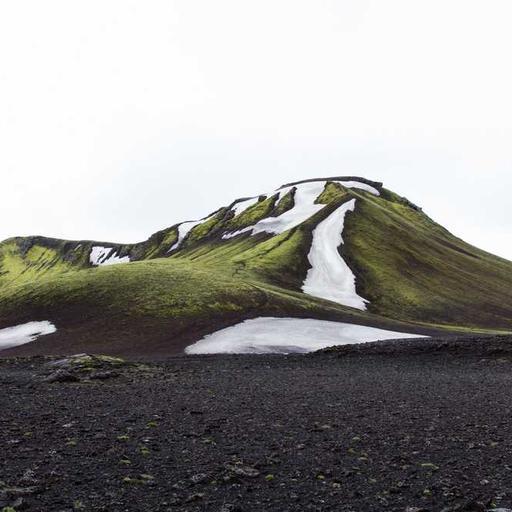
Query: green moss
x=169 y=239
x=412 y=269
x=202 y=230
x=287 y=202
x=332 y=192
x=17 y=266
x=88 y=362
x=157 y=245
x=279 y=259
x=253 y=214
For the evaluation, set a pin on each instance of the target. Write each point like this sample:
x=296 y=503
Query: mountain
x=340 y=249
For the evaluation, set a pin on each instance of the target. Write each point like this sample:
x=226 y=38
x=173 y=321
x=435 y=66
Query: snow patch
x=304 y=207
x=240 y=207
x=100 y=256
x=360 y=185
x=24 y=333
x=184 y=229
x=329 y=276
x=287 y=335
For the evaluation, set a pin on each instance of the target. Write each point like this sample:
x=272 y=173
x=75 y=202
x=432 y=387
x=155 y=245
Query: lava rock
x=62 y=376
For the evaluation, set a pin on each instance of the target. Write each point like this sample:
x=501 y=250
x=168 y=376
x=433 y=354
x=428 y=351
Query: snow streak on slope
x=99 y=256
x=304 y=207
x=184 y=229
x=24 y=333
x=240 y=207
x=360 y=185
x=287 y=335
x=329 y=276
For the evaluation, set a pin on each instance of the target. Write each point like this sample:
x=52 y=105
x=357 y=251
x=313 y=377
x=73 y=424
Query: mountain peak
x=376 y=184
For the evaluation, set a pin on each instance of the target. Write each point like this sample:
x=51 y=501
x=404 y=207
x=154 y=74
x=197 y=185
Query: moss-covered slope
x=183 y=283
x=409 y=267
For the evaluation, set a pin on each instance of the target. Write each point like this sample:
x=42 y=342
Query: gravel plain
x=401 y=427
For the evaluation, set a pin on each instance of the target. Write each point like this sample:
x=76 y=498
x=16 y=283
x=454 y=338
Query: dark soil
x=358 y=429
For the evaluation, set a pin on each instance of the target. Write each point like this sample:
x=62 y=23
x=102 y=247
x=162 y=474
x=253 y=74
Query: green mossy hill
x=416 y=275
x=31 y=258
x=27 y=259
x=156 y=305
x=275 y=259
x=409 y=267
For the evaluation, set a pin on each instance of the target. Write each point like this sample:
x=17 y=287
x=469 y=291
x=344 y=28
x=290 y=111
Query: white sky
x=118 y=118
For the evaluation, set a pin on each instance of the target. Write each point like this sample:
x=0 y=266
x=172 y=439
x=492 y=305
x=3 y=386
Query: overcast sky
x=119 y=118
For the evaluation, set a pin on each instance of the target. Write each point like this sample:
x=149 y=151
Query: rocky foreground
x=409 y=426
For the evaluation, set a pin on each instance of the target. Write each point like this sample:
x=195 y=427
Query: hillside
x=341 y=249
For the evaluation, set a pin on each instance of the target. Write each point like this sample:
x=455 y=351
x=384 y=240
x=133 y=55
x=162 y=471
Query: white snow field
x=99 y=257
x=240 y=207
x=288 y=335
x=360 y=185
x=24 y=333
x=304 y=207
x=329 y=276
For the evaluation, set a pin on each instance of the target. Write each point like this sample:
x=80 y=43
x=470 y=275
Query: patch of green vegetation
x=142 y=479
x=410 y=268
x=332 y=192
x=163 y=245
x=157 y=245
x=88 y=362
x=279 y=259
x=202 y=230
x=165 y=288
x=388 y=195
x=170 y=238
x=287 y=202
x=18 y=266
x=253 y=214
x=429 y=465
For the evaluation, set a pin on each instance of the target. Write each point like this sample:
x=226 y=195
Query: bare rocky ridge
x=393 y=428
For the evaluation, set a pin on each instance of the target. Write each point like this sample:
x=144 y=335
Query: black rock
x=104 y=375
x=62 y=376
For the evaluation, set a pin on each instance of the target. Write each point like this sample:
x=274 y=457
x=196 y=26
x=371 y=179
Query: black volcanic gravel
x=351 y=431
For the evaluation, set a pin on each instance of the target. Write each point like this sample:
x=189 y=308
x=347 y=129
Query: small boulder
x=243 y=471
x=62 y=376
x=104 y=375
